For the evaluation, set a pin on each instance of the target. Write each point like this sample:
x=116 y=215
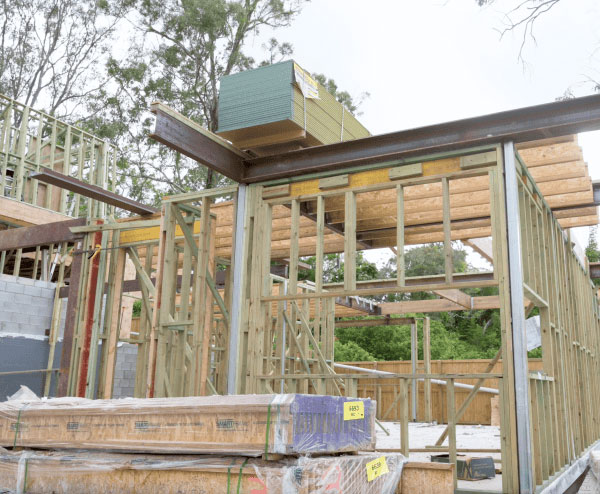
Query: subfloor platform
x=422 y=435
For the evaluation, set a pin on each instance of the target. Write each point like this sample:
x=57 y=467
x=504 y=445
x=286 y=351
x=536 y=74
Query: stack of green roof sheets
x=282 y=106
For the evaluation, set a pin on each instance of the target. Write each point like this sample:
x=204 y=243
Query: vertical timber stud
x=238 y=282
x=448 y=260
x=521 y=373
x=350 y=241
x=70 y=321
x=427 y=365
x=400 y=235
x=414 y=348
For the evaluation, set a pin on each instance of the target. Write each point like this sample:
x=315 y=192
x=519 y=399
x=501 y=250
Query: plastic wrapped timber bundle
x=245 y=425
x=281 y=107
x=93 y=472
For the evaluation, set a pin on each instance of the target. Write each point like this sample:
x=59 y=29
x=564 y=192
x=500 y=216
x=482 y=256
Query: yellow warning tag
x=354 y=410
x=376 y=468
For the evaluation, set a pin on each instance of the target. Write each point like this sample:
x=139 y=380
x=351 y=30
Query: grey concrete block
x=27 y=300
x=33 y=291
x=28 y=306
x=48 y=292
x=44 y=284
x=25 y=281
x=14 y=288
x=6 y=316
x=18 y=316
x=43 y=322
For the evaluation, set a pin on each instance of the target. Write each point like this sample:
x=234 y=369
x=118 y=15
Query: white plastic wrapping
x=246 y=425
x=93 y=472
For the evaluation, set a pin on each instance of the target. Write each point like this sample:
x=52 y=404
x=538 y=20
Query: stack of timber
x=279 y=108
x=78 y=439
x=247 y=425
x=34 y=472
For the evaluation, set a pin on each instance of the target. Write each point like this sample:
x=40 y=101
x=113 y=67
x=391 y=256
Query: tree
x=178 y=54
x=425 y=260
x=393 y=342
x=523 y=16
x=52 y=52
x=333 y=268
x=591 y=251
x=351 y=352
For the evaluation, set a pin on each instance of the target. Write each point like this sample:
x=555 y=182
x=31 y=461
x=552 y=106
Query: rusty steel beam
x=189 y=138
x=32 y=236
x=525 y=124
x=92 y=191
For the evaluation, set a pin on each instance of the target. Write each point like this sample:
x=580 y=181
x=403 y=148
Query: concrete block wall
x=25 y=317
x=124 y=382
x=26 y=306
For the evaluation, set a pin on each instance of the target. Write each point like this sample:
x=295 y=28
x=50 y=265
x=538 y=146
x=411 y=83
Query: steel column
x=517 y=312
x=236 y=299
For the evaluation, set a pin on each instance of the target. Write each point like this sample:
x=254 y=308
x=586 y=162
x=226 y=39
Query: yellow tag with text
x=376 y=468
x=354 y=410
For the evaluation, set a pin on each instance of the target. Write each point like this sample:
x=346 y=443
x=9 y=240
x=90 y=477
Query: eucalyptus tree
x=178 y=52
x=52 y=52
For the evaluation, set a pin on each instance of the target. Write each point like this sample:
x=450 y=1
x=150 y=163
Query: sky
x=431 y=61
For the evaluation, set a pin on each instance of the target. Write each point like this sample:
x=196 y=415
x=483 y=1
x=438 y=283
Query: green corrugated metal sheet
x=251 y=99
x=256 y=97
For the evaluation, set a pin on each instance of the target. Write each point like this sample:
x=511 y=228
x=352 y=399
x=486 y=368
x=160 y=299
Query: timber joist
x=558 y=170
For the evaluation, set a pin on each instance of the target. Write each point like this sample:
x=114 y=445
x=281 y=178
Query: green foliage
x=177 y=55
x=52 y=52
x=351 y=352
x=424 y=260
x=137 y=308
x=454 y=335
x=591 y=251
x=393 y=342
x=429 y=260
x=333 y=268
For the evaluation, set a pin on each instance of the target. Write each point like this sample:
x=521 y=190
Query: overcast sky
x=432 y=61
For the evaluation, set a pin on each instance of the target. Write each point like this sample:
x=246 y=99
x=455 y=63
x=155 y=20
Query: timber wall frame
x=547 y=420
x=31 y=142
x=262 y=333
x=266 y=333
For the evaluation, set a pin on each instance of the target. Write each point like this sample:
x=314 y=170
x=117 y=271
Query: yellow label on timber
x=354 y=410
x=379 y=176
x=376 y=468
x=151 y=233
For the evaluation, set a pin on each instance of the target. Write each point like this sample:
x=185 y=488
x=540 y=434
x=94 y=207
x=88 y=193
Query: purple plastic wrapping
x=245 y=425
